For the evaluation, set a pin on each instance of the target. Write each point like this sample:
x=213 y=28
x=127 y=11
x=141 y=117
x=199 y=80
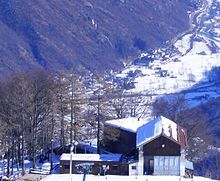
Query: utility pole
x=98 y=119
x=22 y=142
x=71 y=162
x=71 y=115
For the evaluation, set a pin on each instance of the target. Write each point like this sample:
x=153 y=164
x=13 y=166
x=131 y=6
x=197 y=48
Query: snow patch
x=91 y=157
x=130 y=124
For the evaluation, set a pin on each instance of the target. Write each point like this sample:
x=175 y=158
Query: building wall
x=141 y=161
x=162 y=146
x=162 y=156
x=125 y=143
x=114 y=168
x=133 y=168
x=182 y=162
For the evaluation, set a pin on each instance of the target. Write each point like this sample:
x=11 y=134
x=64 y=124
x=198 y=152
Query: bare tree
x=62 y=106
x=77 y=98
x=25 y=105
x=171 y=107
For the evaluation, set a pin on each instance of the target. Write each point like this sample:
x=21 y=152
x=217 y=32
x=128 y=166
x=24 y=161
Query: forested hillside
x=92 y=35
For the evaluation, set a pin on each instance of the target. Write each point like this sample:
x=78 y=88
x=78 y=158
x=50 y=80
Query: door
x=148 y=165
x=151 y=167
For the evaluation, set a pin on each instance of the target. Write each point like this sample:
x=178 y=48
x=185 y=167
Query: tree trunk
x=62 y=136
x=33 y=148
x=22 y=152
x=12 y=156
x=8 y=161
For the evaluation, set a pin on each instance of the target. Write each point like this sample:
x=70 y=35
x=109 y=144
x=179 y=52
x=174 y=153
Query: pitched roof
x=130 y=124
x=160 y=126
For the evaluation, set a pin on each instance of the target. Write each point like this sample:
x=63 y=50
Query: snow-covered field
x=66 y=177
x=41 y=168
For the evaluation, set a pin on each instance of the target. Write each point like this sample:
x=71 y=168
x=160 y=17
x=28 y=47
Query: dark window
x=66 y=166
x=115 y=167
x=133 y=167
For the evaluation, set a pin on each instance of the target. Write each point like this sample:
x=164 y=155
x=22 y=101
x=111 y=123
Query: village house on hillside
x=155 y=147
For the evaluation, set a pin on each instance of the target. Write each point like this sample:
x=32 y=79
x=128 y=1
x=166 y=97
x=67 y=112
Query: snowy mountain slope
x=66 y=177
x=185 y=63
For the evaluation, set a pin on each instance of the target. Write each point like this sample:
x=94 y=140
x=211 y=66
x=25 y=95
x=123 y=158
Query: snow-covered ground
x=66 y=177
x=41 y=168
x=185 y=64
